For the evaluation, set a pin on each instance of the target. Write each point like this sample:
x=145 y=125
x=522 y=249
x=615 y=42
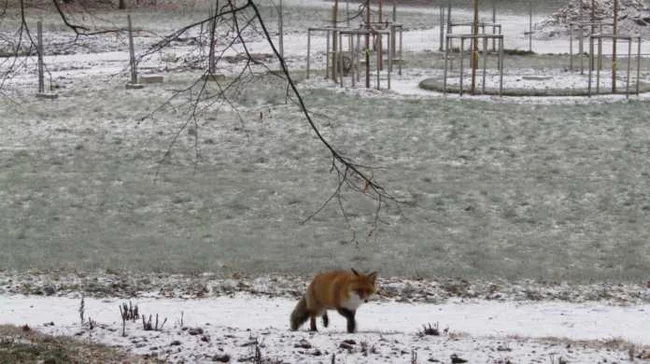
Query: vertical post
x=501 y=45
x=281 y=30
x=213 y=27
x=591 y=62
x=485 y=50
x=600 y=55
x=379 y=56
x=134 y=72
x=462 y=54
x=474 y=47
x=390 y=55
x=368 y=43
x=341 y=72
x=327 y=53
x=530 y=28
x=593 y=30
x=614 y=43
x=494 y=21
x=308 y=49
x=347 y=13
x=580 y=40
x=629 y=66
x=444 y=79
x=401 y=29
x=449 y=17
x=442 y=25
x=335 y=48
x=638 y=65
x=41 y=75
x=571 y=47
x=393 y=37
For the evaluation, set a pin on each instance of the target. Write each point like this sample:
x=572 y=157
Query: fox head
x=364 y=285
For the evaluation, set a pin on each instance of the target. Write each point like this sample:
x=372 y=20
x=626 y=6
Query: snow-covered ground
x=388 y=332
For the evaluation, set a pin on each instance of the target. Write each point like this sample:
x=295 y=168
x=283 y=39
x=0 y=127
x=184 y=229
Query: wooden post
x=213 y=27
x=134 y=71
x=368 y=44
x=281 y=30
x=614 y=41
x=335 y=12
x=530 y=28
x=41 y=75
x=474 y=47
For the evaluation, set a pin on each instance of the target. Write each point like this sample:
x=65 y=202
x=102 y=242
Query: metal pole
x=308 y=49
x=41 y=75
x=327 y=54
x=600 y=55
x=494 y=21
x=449 y=17
x=485 y=50
x=474 y=47
x=638 y=65
x=591 y=61
x=444 y=79
x=134 y=72
x=530 y=28
x=462 y=46
x=368 y=44
x=390 y=56
x=379 y=55
x=570 y=47
x=347 y=13
x=213 y=26
x=442 y=29
x=401 y=29
x=614 y=41
x=629 y=66
x=501 y=66
x=281 y=30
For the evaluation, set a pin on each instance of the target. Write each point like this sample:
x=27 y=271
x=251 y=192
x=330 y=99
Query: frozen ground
x=484 y=332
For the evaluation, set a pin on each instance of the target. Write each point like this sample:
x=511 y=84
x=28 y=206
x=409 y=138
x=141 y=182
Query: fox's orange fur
x=341 y=290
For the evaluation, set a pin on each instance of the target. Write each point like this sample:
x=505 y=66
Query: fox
x=340 y=290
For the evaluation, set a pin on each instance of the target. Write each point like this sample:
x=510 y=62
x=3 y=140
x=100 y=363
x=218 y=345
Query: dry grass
x=23 y=345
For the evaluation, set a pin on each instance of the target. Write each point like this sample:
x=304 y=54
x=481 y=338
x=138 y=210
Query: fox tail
x=300 y=315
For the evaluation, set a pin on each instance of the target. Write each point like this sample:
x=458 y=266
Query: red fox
x=339 y=290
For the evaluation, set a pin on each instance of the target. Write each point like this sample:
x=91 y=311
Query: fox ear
x=355 y=272
x=373 y=276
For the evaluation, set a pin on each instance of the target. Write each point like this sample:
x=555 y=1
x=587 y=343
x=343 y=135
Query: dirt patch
x=23 y=345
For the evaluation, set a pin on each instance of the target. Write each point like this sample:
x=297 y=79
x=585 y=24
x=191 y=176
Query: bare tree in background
x=240 y=20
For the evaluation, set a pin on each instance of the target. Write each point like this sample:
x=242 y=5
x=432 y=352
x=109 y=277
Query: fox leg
x=312 y=323
x=349 y=315
x=326 y=320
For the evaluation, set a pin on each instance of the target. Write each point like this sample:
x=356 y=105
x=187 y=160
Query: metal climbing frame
x=396 y=46
x=581 y=25
x=496 y=29
x=474 y=38
x=330 y=31
x=355 y=52
x=630 y=40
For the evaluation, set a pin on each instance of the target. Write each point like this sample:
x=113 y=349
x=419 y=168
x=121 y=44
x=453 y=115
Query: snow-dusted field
x=547 y=190
x=479 y=331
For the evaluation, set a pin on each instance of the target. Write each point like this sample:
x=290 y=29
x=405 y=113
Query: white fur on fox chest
x=353 y=302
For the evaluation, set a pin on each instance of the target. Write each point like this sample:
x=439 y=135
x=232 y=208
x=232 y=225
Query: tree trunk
x=122 y=5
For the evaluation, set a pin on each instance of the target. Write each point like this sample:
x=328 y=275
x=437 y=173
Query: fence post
x=41 y=67
x=134 y=67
